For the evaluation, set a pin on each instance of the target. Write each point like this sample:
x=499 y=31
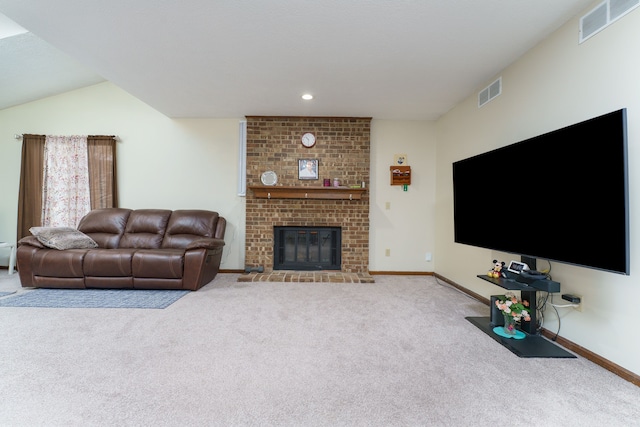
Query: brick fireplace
x=342 y=149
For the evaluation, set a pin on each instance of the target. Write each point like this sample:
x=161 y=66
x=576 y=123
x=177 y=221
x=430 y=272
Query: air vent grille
x=603 y=15
x=490 y=92
x=619 y=8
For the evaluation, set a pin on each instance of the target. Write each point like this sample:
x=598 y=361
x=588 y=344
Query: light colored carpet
x=397 y=352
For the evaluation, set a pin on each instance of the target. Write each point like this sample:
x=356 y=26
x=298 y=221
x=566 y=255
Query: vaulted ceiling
x=404 y=59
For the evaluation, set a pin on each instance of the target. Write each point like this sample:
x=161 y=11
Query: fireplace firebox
x=307 y=248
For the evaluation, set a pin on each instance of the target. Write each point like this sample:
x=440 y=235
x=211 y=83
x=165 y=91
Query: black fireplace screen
x=307 y=248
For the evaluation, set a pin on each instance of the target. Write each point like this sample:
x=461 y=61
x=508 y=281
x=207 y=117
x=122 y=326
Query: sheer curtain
x=101 y=164
x=65 y=192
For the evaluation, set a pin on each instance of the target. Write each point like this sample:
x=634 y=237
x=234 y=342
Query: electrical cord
x=543 y=301
x=450 y=286
x=547 y=272
x=564 y=305
x=554 y=306
x=558 y=316
x=540 y=306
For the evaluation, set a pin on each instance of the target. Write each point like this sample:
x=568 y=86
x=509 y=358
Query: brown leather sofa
x=136 y=249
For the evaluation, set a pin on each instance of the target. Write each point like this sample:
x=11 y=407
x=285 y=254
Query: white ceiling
x=386 y=59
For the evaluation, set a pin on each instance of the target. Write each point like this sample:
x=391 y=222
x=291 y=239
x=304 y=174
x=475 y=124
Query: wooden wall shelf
x=400 y=175
x=294 y=192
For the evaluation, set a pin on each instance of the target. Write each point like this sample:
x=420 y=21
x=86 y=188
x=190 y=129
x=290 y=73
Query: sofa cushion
x=158 y=263
x=108 y=262
x=62 y=238
x=186 y=226
x=105 y=226
x=145 y=228
x=63 y=264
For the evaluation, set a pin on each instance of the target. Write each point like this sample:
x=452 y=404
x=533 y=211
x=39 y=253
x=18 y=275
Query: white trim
x=242 y=159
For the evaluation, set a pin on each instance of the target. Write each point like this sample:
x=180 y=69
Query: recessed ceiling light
x=307 y=96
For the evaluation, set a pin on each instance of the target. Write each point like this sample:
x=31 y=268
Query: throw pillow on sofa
x=63 y=238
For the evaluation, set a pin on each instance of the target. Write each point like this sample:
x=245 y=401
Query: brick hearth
x=307 y=276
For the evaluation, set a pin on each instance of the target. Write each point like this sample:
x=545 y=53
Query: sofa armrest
x=206 y=243
x=31 y=241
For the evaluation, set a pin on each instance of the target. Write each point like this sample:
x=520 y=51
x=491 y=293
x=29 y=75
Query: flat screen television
x=561 y=196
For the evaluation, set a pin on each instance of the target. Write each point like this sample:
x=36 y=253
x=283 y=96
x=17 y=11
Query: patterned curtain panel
x=65 y=195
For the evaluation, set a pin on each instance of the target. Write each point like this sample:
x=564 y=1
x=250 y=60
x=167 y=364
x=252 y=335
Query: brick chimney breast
x=343 y=151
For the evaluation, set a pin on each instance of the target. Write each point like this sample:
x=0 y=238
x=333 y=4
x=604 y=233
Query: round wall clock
x=308 y=140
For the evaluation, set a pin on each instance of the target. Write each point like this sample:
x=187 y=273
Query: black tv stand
x=533 y=344
x=527 y=293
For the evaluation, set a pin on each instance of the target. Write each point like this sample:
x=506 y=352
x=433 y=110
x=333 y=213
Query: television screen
x=561 y=196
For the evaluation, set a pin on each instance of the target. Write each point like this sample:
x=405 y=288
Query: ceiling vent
x=603 y=15
x=490 y=92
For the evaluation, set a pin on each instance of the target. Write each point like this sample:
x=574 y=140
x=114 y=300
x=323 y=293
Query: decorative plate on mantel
x=269 y=178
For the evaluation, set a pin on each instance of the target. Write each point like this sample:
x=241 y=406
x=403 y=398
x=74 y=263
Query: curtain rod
x=19 y=136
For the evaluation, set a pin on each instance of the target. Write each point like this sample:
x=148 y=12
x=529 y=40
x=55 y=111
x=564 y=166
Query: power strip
x=571 y=298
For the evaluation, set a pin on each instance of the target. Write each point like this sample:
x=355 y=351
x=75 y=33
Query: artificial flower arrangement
x=511 y=306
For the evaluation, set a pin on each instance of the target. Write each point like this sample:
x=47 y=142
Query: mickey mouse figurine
x=497 y=272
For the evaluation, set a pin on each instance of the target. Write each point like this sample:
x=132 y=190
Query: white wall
x=162 y=163
x=556 y=84
x=407 y=227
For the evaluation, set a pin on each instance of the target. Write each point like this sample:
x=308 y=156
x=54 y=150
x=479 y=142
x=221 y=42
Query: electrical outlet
x=387 y=205
x=427 y=256
x=572 y=298
x=387 y=252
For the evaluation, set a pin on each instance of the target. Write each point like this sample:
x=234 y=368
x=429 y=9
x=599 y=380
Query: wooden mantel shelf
x=293 y=192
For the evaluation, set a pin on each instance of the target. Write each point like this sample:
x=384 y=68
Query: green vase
x=509 y=324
